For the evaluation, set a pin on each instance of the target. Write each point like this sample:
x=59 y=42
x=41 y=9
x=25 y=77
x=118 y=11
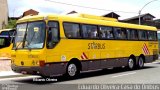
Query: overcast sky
x=125 y=8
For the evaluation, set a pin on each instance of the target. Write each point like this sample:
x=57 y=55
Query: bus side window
x=142 y=35
x=132 y=34
x=53 y=34
x=7 y=42
x=4 y=42
x=120 y=33
x=90 y=31
x=155 y=35
x=72 y=30
x=152 y=35
x=106 y=32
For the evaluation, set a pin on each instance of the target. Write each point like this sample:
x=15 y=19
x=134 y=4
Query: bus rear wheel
x=72 y=70
x=131 y=63
x=140 y=62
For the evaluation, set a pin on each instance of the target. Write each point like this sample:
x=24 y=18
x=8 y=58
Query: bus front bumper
x=48 y=71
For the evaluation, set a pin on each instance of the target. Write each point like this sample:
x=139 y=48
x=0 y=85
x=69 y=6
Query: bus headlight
x=37 y=63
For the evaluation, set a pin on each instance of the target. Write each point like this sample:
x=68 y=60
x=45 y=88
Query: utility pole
x=140 y=11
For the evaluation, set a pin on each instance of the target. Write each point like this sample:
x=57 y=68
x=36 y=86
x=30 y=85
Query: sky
x=125 y=8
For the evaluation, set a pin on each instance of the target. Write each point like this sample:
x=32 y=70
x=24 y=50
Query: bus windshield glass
x=30 y=35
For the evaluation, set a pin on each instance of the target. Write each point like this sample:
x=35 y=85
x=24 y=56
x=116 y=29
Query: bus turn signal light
x=41 y=63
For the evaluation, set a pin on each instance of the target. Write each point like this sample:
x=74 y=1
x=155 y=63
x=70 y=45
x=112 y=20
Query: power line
x=87 y=7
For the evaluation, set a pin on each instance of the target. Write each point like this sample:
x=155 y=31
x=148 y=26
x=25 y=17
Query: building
x=3 y=13
x=157 y=23
x=72 y=12
x=112 y=15
x=30 y=12
x=146 y=19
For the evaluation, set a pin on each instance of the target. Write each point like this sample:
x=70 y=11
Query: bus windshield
x=30 y=35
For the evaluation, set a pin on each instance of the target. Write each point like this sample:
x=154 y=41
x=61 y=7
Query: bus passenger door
x=52 y=41
x=52 y=52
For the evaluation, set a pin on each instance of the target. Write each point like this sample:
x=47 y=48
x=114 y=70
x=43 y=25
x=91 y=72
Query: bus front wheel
x=72 y=70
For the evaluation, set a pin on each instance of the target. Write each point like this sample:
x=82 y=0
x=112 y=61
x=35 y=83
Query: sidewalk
x=5 y=69
x=7 y=74
x=5 y=65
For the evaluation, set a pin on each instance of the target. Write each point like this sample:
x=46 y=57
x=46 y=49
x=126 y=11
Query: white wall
x=3 y=12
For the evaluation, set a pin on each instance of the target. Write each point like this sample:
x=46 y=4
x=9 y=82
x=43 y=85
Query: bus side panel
x=5 y=53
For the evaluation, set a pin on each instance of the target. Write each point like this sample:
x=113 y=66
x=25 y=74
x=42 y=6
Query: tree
x=11 y=24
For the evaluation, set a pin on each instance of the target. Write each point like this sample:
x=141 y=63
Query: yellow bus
x=6 y=38
x=158 y=34
x=53 y=45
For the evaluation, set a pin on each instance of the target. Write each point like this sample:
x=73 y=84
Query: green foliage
x=11 y=24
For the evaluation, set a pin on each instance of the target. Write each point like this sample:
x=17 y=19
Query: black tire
x=131 y=64
x=140 y=63
x=72 y=70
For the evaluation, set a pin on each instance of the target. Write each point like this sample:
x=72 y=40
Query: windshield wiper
x=18 y=45
x=22 y=42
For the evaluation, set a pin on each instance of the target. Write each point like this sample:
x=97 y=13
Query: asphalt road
x=150 y=74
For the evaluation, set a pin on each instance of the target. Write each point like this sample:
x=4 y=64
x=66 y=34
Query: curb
x=157 y=60
x=12 y=76
x=5 y=59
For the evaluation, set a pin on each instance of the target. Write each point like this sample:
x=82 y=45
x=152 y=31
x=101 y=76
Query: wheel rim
x=72 y=69
x=141 y=63
x=131 y=63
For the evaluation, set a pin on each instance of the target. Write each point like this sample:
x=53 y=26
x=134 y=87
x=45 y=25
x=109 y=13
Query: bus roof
x=86 y=19
x=5 y=30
